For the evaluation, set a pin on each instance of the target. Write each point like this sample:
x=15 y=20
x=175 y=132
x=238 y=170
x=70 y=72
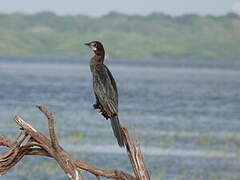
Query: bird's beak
x=87 y=44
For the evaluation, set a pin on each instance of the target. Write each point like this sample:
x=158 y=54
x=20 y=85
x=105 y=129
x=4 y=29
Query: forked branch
x=33 y=142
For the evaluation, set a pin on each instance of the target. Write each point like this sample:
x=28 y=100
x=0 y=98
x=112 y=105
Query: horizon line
x=120 y=13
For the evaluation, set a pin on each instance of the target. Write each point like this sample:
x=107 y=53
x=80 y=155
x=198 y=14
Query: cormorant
x=105 y=89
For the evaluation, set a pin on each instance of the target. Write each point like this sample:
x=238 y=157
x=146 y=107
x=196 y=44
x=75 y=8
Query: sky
x=101 y=7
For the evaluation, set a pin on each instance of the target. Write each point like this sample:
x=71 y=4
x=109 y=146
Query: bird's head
x=97 y=47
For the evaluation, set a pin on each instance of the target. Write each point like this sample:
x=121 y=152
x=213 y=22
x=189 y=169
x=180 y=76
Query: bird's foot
x=104 y=114
x=96 y=106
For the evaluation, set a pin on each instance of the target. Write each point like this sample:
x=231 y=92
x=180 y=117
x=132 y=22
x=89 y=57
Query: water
x=186 y=114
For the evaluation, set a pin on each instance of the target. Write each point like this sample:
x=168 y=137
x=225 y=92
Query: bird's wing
x=105 y=89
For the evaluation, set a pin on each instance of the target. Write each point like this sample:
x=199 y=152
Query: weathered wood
x=37 y=143
x=135 y=157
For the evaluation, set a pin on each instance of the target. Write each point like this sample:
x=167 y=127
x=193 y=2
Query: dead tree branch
x=33 y=142
x=136 y=158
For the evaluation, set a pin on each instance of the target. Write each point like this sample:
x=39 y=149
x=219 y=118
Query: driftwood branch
x=32 y=142
x=136 y=157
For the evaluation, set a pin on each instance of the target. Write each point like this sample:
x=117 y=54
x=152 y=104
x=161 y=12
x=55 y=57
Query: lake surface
x=186 y=113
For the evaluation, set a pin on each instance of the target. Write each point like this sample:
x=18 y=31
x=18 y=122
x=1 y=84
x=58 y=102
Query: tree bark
x=32 y=142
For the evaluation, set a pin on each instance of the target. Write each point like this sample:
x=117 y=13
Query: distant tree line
x=155 y=36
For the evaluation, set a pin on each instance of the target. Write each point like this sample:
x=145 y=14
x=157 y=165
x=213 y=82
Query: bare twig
x=4 y=141
x=136 y=158
x=63 y=159
x=51 y=128
x=39 y=144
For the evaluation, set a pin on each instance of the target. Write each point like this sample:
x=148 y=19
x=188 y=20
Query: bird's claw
x=96 y=106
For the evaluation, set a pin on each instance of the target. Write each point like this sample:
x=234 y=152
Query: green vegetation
x=156 y=36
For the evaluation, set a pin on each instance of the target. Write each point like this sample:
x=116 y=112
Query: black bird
x=105 y=89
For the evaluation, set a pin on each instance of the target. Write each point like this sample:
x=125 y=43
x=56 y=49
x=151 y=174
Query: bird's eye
x=94 y=45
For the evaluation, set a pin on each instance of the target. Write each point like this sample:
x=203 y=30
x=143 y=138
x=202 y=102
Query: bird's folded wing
x=105 y=88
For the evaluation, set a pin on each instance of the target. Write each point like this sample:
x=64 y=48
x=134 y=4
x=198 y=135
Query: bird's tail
x=117 y=130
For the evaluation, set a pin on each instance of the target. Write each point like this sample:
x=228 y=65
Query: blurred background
x=176 y=64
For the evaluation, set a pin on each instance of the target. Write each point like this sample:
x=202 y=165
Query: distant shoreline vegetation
x=155 y=36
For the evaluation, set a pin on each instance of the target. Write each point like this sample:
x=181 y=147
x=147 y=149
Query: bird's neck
x=98 y=59
x=95 y=60
x=100 y=54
